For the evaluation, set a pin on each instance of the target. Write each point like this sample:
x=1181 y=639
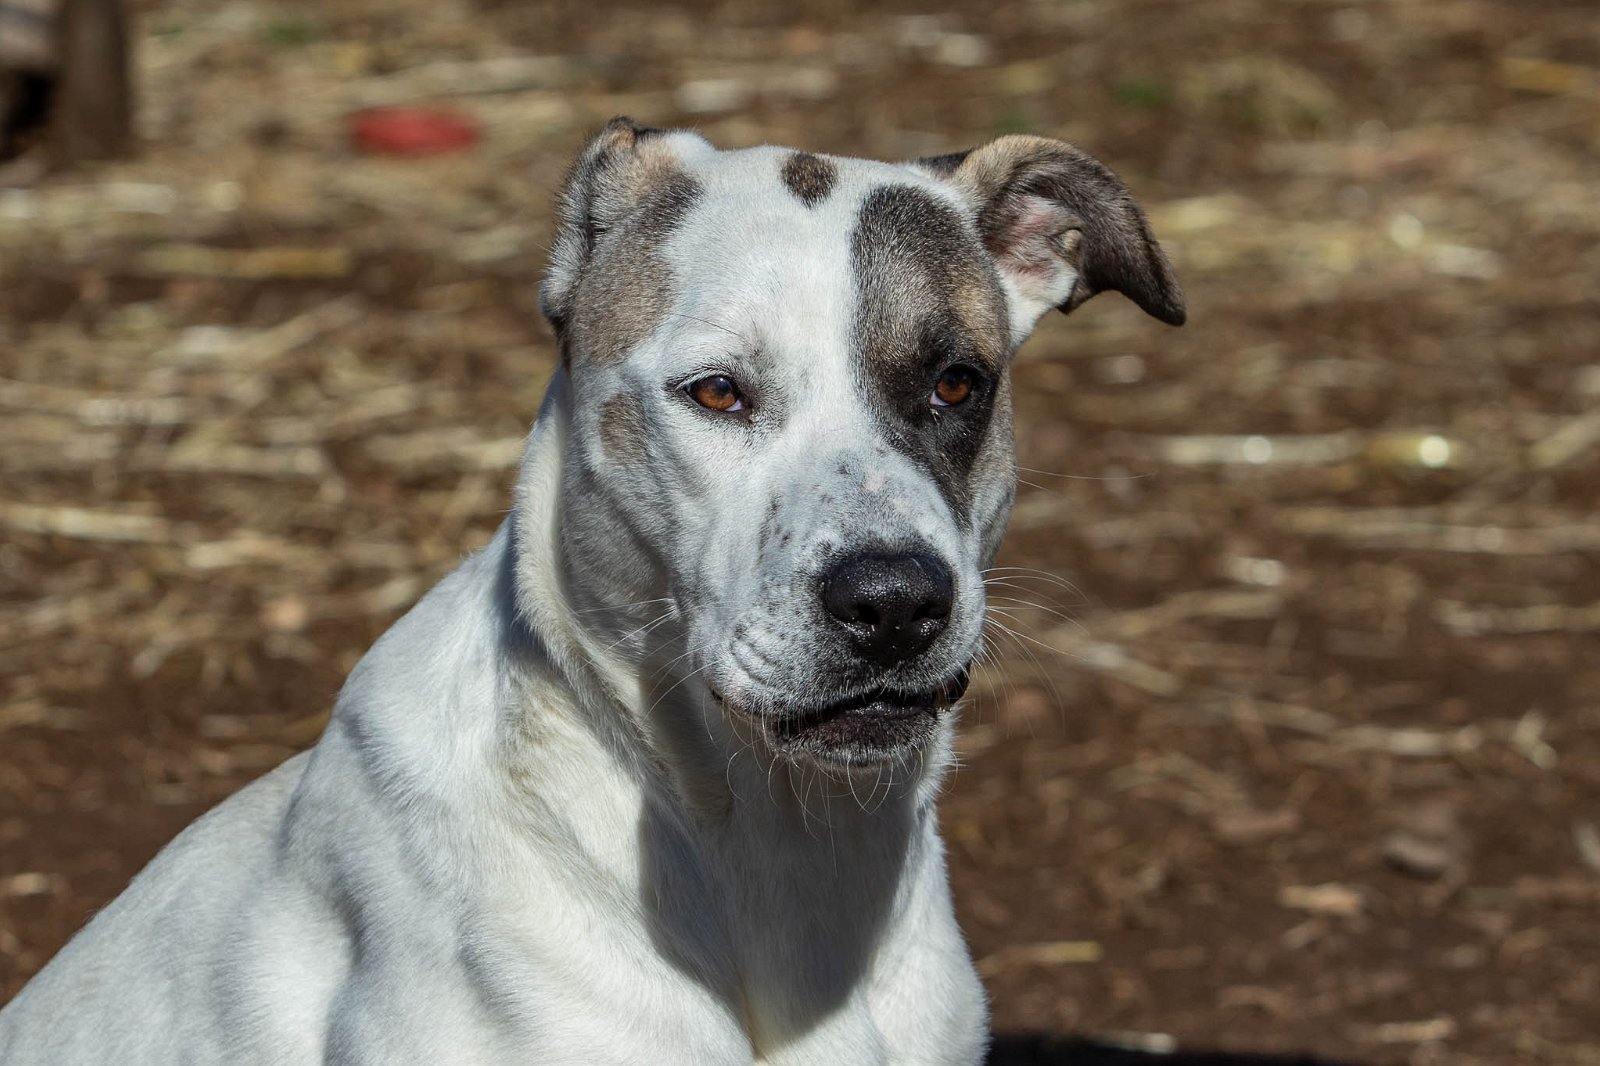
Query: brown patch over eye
x=716 y=393
x=954 y=386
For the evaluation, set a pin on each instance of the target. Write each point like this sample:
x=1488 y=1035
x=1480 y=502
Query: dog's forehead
x=853 y=284
x=884 y=249
x=770 y=174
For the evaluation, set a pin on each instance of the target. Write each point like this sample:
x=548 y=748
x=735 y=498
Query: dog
x=652 y=777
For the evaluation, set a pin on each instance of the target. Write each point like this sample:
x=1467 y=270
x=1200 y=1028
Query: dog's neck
x=542 y=594
x=652 y=706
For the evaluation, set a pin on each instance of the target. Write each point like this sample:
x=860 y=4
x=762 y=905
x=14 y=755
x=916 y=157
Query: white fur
x=468 y=869
x=523 y=839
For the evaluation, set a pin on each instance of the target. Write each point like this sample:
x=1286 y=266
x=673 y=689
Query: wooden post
x=92 y=112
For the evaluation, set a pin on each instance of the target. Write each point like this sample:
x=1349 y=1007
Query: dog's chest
x=826 y=939
x=761 y=941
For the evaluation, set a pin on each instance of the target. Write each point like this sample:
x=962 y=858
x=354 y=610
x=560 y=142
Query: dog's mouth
x=867 y=729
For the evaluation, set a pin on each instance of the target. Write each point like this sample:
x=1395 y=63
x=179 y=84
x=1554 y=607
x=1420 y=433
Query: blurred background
x=1295 y=743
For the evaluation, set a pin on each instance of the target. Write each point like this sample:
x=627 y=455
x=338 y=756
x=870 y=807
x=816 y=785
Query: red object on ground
x=409 y=131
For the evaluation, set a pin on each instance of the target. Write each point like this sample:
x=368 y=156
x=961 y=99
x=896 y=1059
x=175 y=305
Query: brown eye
x=716 y=393
x=953 y=387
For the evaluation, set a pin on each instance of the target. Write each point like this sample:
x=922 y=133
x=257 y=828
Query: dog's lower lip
x=891 y=719
x=888 y=701
x=867 y=729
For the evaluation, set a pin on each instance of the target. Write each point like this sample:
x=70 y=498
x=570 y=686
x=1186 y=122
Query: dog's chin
x=864 y=731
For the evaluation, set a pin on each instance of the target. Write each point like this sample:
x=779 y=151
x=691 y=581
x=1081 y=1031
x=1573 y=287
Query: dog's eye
x=954 y=386
x=716 y=393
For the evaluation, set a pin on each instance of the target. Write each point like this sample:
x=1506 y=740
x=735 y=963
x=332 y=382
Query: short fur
x=556 y=817
x=809 y=177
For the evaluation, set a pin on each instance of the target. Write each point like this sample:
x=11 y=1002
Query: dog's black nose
x=893 y=606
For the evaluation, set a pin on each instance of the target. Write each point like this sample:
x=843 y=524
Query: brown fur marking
x=929 y=297
x=809 y=177
x=622 y=428
x=627 y=288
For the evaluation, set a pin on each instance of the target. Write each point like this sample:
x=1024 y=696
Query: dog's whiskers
x=1016 y=583
x=1081 y=477
x=614 y=607
x=1017 y=573
x=1040 y=670
x=1019 y=604
x=643 y=630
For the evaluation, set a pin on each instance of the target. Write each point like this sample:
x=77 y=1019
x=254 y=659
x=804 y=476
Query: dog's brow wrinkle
x=811 y=178
x=730 y=331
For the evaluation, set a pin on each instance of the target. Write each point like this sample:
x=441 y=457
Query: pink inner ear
x=1026 y=243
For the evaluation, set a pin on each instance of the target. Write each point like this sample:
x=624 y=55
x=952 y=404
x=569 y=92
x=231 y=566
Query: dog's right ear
x=617 y=171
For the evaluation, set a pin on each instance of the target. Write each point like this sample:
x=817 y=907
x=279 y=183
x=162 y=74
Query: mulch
x=1288 y=741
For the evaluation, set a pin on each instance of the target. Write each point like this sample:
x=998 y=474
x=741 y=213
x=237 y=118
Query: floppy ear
x=622 y=167
x=1060 y=227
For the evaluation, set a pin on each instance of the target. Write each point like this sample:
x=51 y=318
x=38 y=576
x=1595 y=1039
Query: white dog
x=651 y=779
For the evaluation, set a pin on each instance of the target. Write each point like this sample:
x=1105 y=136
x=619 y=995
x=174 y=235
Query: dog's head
x=791 y=434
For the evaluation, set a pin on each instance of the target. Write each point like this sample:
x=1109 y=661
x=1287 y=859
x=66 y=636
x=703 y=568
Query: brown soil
x=1296 y=747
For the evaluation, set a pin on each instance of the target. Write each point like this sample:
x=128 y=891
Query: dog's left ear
x=1060 y=227
x=624 y=167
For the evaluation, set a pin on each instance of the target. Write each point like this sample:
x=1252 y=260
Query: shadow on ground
x=1035 y=1049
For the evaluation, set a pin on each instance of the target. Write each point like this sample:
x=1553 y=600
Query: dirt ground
x=1293 y=739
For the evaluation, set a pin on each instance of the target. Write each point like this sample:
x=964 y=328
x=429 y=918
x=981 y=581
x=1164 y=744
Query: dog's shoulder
x=148 y=953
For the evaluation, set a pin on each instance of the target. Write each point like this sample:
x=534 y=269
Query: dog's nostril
x=893 y=606
x=864 y=614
